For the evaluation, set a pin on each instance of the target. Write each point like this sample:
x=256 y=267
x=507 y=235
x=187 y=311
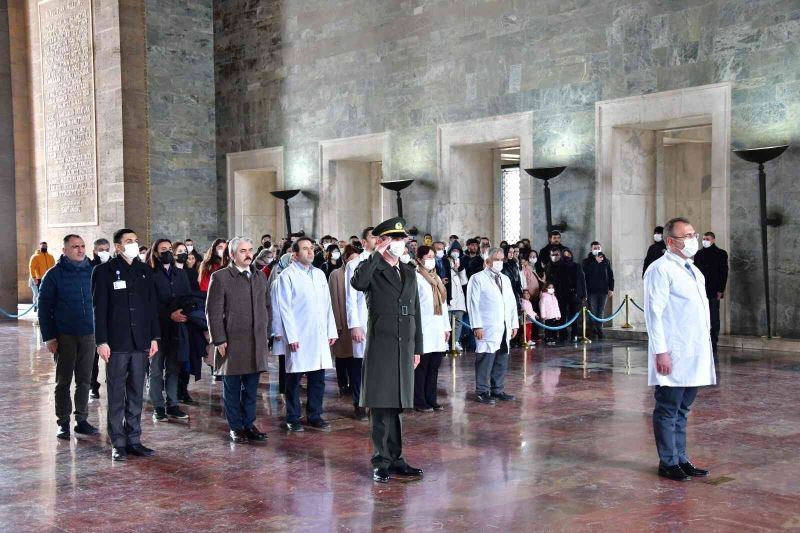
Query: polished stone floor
x=574 y=453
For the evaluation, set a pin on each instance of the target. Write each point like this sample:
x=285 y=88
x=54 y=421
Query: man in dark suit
x=394 y=345
x=656 y=249
x=713 y=263
x=127 y=333
x=101 y=254
x=553 y=243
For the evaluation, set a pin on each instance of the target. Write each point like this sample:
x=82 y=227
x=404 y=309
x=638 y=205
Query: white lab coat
x=491 y=310
x=306 y=315
x=677 y=318
x=355 y=304
x=278 y=335
x=433 y=326
x=458 y=301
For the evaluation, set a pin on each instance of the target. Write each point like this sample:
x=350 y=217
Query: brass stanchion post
x=452 y=352
x=584 y=339
x=627 y=324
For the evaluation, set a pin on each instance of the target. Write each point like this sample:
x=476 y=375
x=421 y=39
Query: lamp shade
x=761 y=155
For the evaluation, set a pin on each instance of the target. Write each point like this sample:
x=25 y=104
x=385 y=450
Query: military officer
x=393 y=346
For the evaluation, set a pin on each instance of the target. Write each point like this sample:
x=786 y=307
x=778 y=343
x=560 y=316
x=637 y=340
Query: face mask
x=44 y=249
x=551 y=291
x=336 y=255
x=220 y=253
x=165 y=257
x=405 y=258
x=532 y=259
x=397 y=248
x=690 y=247
x=439 y=253
x=455 y=255
x=497 y=266
x=131 y=251
x=706 y=243
x=430 y=264
x=657 y=237
x=268 y=259
x=181 y=258
x=266 y=244
x=596 y=252
x=104 y=256
x=142 y=257
x=189 y=248
x=555 y=258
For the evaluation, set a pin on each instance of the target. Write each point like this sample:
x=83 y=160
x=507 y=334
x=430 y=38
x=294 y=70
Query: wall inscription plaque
x=68 y=111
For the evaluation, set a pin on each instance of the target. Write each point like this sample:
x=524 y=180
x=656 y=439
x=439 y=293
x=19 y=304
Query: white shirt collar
x=240 y=269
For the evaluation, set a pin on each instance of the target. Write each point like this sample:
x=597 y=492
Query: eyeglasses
x=686 y=236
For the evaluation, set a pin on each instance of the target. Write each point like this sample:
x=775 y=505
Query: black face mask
x=44 y=249
x=182 y=258
x=165 y=257
x=266 y=244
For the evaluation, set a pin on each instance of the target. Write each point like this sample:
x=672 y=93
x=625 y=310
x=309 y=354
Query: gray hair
x=101 y=241
x=670 y=225
x=233 y=244
x=492 y=251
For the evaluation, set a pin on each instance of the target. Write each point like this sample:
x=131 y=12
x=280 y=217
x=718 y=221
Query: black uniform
x=124 y=299
x=394 y=336
x=713 y=263
x=655 y=251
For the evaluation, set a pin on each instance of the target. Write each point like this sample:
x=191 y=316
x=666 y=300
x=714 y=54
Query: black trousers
x=342 y=377
x=386 y=430
x=315 y=382
x=568 y=307
x=713 y=308
x=96 y=373
x=125 y=388
x=426 y=378
x=352 y=369
x=282 y=374
x=74 y=357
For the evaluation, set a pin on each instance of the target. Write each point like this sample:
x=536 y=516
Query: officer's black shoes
x=319 y=424
x=381 y=475
x=85 y=428
x=361 y=413
x=294 y=427
x=119 y=454
x=63 y=432
x=406 y=471
x=254 y=434
x=238 y=436
x=139 y=450
x=485 y=398
x=160 y=414
x=175 y=412
x=692 y=470
x=674 y=472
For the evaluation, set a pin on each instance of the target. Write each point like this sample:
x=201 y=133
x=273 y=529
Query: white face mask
x=551 y=290
x=131 y=250
x=706 y=243
x=596 y=252
x=104 y=256
x=439 y=253
x=690 y=247
x=430 y=264
x=497 y=266
x=555 y=258
x=142 y=257
x=220 y=253
x=657 y=237
x=189 y=248
x=397 y=248
x=405 y=258
x=455 y=255
x=336 y=255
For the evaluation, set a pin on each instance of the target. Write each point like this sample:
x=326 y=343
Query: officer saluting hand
x=394 y=342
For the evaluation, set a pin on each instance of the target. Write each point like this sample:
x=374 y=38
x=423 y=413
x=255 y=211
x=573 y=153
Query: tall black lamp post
x=761 y=156
x=285 y=195
x=546 y=174
x=397 y=186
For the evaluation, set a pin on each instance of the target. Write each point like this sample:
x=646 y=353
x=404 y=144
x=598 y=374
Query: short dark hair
x=709 y=234
x=296 y=244
x=101 y=241
x=120 y=232
x=659 y=229
x=554 y=232
x=595 y=242
x=454 y=237
x=266 y=235
x=472 y=241
x=423 y=250
x=43 y=242
x=69 y=237
x=187 y=240
x=670 y=225
x=366 y=231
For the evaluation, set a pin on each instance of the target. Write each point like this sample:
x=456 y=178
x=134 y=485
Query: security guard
x=394 y=345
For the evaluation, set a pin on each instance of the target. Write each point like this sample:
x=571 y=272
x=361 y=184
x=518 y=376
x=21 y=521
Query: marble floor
x=574 y=453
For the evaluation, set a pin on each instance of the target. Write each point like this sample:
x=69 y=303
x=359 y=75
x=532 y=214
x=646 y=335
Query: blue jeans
x=669 y=423
x=239 y=394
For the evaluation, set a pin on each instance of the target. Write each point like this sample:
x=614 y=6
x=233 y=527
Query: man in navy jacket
x=127 y=333
x=67 y=326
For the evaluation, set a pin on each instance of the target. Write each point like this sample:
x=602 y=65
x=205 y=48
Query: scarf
x=439 y=292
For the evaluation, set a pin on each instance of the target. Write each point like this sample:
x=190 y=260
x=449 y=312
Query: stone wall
x=8 y=263
x=295 y=72
x=180 y=90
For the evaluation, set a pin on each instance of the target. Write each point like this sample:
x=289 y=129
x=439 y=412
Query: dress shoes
x=119 y=454
x=238 y=436
x=85 y=428
x=139 y=450
x=438 y=407
x=692 y=470
x=503 y=397
x=177 y=413
x=254 y=434
x=405 y=470
x=319 y=424
x=361 y=413
x=94 y=394
x=63 y=432
x=186 y=399
x=160 y=414
x=485 y=398
x=294 y=427
x=674 y=472
x=424 y=409
x=381 y=475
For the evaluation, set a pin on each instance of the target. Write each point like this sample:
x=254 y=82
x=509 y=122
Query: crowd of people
x=380 y=308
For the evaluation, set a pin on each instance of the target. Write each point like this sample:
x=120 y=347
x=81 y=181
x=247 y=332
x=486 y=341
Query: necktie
x=689 y=268
x=247 y=274
x=397 y=269
x=499 y=283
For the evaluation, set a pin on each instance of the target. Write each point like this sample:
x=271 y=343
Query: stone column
x=8 y=208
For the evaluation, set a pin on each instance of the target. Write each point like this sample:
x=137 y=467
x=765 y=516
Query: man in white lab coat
x=679 y=347
x=309 y=328
x=492 y=311
x=355 y=301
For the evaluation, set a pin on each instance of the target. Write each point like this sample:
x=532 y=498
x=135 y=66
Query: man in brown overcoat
x=236 y=308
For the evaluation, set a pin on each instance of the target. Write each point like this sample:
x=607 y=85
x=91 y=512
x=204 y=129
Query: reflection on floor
x=575 y=452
